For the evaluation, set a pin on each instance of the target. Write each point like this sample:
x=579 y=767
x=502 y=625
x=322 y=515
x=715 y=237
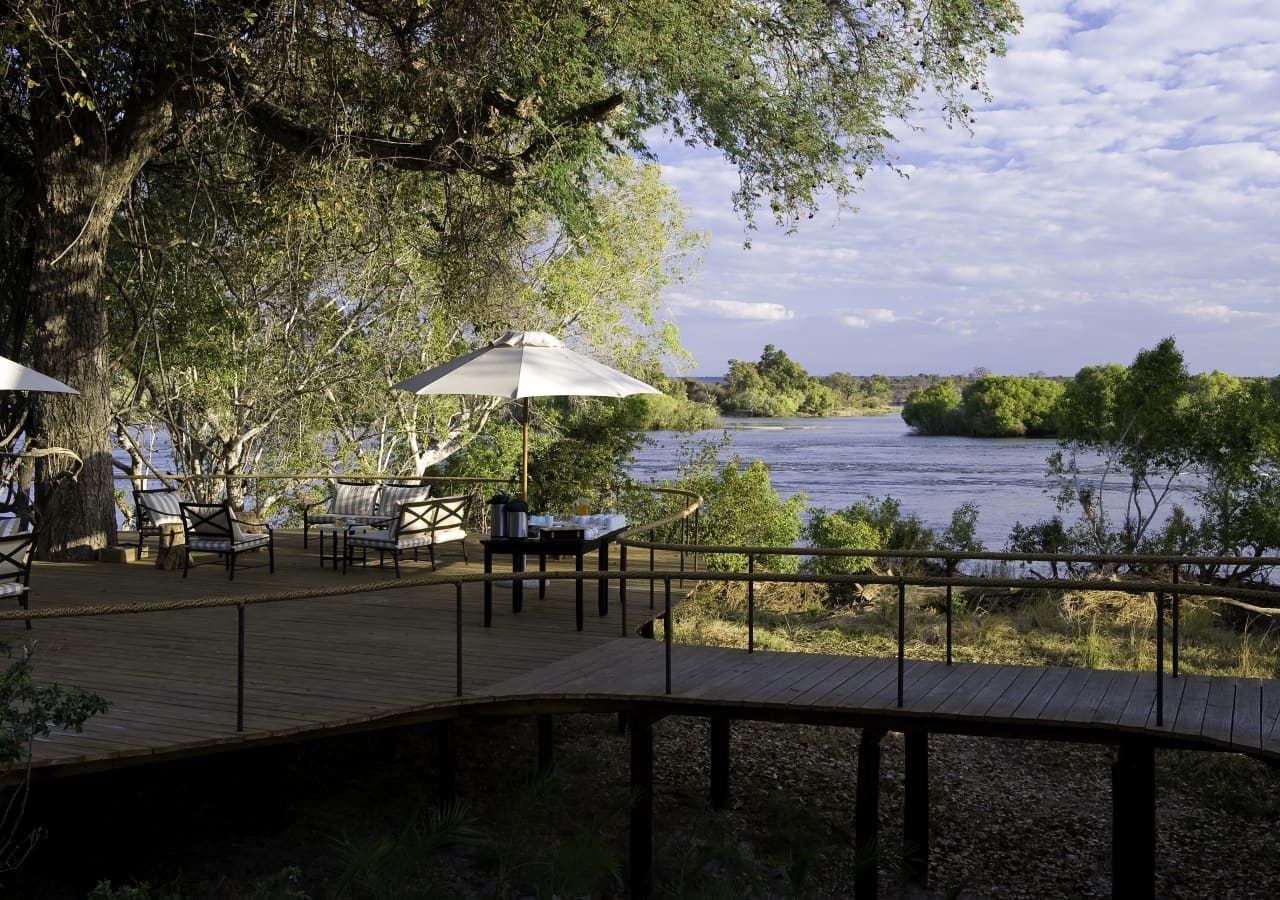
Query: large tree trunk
x=77 y=517
x=82 y=177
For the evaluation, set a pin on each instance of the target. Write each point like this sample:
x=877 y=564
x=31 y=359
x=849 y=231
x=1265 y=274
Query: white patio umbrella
x=17 y=377
x=524 y=364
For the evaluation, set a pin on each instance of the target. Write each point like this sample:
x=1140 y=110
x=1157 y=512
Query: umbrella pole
x=524 y=457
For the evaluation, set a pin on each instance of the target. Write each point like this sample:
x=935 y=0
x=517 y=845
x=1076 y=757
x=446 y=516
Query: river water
x=836 y=462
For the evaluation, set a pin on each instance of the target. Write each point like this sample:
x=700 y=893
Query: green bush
x=743 y=509
x=879 y=524
x=840 y=530
x=962 y=534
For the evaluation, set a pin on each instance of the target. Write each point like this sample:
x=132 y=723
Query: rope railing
x=1175 y=588
x=1257 y=600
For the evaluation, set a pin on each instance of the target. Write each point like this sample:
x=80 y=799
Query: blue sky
x=1123 y=186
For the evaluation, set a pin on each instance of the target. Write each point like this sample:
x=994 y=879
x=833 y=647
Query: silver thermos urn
x=517 y=519
x=498 y=515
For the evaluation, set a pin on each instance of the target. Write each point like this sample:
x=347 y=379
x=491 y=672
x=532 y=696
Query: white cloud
x=865 y=318
x=733 y=309
x=1124 y=185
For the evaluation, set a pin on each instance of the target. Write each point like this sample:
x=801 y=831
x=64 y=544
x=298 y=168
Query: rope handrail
x=1219 y=592
x=308 y=476
x=990 y=556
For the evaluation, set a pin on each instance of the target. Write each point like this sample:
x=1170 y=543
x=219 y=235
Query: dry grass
x=1097 y=629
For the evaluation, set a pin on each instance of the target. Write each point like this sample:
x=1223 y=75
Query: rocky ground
x=1010 y=819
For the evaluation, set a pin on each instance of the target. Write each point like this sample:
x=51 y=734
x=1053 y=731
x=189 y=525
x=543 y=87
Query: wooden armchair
x=350 y=502
x=15 y=567
x=210 y=527
x=423 y=523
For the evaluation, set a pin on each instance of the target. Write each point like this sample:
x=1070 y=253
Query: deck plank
x=384 y=651
x=1246 y=721
x=1219 y=710
x=1086 y=705
x=1056 y=706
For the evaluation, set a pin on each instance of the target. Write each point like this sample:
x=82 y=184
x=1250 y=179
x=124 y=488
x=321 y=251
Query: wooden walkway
x=384 y=657
x=1236 y=714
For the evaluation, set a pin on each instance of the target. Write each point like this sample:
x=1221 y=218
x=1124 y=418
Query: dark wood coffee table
x=542 y=547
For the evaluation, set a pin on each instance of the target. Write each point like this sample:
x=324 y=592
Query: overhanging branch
x=456 y=148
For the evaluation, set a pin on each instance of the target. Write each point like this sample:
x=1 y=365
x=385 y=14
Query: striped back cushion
x=451 y=512
x=14 y=551
x=353 y=499
x=164 y=507
x=395 y=494
x=208 y=521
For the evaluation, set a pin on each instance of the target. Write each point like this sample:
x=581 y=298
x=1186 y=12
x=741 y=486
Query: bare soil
x=1010 y=819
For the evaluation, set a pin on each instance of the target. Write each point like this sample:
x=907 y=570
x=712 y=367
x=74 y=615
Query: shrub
x=962 y=534
x=840 y=530
x=743 y=509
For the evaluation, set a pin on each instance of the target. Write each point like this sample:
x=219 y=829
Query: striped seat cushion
x=11 y=589
x=10 y=525
x=448 y=534
x=332 y=518
x=395 y=494
x=215 y=545
x=383 y=540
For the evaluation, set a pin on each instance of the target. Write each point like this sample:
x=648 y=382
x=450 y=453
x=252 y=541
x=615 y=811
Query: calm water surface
x=836 y=462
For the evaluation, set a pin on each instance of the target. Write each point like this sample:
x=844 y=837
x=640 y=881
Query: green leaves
x=29 y=710
x=930 y=410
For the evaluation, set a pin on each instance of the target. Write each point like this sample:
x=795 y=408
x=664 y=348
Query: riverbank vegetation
x=777 y=386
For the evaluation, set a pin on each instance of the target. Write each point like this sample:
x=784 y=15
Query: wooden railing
x=1171 y=590
x=1168 y=592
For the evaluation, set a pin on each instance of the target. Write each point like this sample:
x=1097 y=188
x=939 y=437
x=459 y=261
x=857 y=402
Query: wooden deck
x=366 y=660
x=313 y=666
x=1236 y=714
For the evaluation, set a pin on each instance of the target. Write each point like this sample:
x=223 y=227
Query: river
x=836 y=462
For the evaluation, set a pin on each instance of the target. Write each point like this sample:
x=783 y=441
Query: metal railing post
x=1159 y=657
x=668 y=628
x=1176 y=598
x=697 y=534
x=240 y=667
x=652 y=586
x=902 y=635
x=951 y=570
x=458 y=622
x=684 y=542
x=623 y=604
x=622 y=582
x=751 y=603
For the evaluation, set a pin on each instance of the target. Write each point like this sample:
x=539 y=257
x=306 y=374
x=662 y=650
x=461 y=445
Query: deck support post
x=1133 y=820
x=915 y=811
x=447 y=760
x=720 y=742
x=640 y=871
x=546 y=745
x=866 y=816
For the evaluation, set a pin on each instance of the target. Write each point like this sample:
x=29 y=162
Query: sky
x=1122 y=186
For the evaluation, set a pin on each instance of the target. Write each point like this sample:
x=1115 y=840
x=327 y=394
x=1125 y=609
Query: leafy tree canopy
x=523 y=93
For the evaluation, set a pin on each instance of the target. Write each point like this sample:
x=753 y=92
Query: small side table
x=333 y=530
